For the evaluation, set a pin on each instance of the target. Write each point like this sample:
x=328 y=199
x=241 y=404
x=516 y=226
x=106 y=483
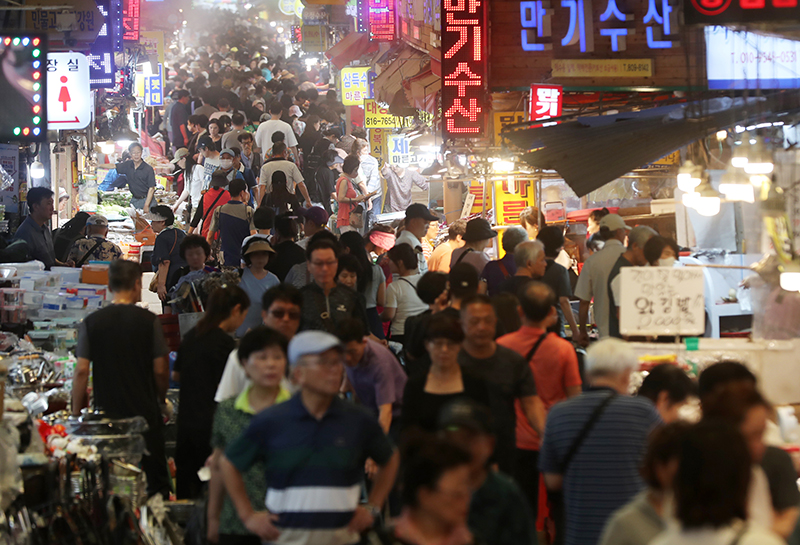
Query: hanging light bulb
x=740 y=150
x=690 y=199
x=707 y=203
x=689 y=176
x=736 y=187
x=790 y=276
x=502 y=166
x=759 y=159
x=108 y=147
x=757 y=180
x=37 y=170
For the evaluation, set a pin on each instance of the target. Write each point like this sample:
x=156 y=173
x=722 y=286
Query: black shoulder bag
x=81 y=261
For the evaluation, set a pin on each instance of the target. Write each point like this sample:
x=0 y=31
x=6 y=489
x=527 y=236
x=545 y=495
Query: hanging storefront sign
x=130 y=20
x=376 y=116
x=602 y=68
x=315 y=38
x=744 y=60
x=101 y=56
x=83 y=17
x=513 y=194
x=724 y=12
x=546 y=101
x=635 y=42
x=377 y=143
x=399 y=150
x=476 y=190
x=69 y=100
x=464 y=68
x=154 y=88
x=153 y=42
x=501 y=119
x=382 y=20
x=356 y=85
x=286 y=6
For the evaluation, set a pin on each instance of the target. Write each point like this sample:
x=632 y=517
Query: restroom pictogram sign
x=69 y=101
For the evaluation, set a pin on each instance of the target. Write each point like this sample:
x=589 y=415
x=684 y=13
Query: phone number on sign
x=764 y=56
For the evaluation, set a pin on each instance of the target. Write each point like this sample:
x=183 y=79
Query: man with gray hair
x=313 y=448
x=593 y=444
x=94 y=246
x=530 y=261
x=632 y=257
x=495 y=272
x=593 y=281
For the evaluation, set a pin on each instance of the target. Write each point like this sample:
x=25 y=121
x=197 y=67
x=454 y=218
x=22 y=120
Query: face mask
x=226 y=163
x=666 y=262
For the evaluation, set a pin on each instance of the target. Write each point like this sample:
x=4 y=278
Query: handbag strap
x=463 y=255
x=587 y=429
x=174 y=243
x=536 y=346
x=82 y=260
x=210 y=209
x=505 y=272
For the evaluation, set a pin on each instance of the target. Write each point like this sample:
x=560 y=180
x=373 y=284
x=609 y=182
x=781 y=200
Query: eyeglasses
x=321 y=264
x=278 y=314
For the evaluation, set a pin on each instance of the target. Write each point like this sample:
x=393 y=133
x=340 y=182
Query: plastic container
x=74 y=302
x=33 y=298
x=11 y=297
x=13 y=315
x=53 y=301
x=33 y=282
x=94 y=274
x=68 y=274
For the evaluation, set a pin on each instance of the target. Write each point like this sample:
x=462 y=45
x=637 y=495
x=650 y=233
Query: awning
x=421 y=90
x=589 y=152
x=352 y=47
x=408 y=63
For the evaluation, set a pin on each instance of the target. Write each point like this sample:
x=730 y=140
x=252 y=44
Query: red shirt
x=343 y=216
x=209 y=198
x=554 y=367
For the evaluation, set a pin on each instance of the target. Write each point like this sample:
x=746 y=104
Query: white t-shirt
x=209 y=166
x=402 y=295
x=293 y=175
x=753 y=535
x=268 y=128
x=196 y=182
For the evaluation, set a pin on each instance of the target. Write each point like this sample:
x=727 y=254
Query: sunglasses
x=278 y=314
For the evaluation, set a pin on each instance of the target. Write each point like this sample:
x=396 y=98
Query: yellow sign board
x=315 y=38
x=356 y=86
x=673 y=158
x=153 y=42
x=501 y=119
x=602 y=68
x=476 y=189
x=378 y=117
x=513 y=195
x=377 y=143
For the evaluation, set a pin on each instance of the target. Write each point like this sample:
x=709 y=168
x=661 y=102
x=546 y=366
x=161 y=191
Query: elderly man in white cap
x=593 y=281
x=313 y=448
x=94 y=247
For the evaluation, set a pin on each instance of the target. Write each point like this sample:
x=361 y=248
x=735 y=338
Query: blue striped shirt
x=314 y=468
x=604 y=473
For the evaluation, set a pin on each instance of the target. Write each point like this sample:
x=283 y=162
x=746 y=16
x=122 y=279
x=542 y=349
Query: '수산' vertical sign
x=464 y=67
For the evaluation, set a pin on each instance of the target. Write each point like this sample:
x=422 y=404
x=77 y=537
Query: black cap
x=466 y=414
x=417 y=210
x=205 y=142
x=478 y=229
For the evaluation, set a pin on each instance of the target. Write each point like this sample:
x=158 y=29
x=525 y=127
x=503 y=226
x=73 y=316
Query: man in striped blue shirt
x=599 y=474
x=314 y=448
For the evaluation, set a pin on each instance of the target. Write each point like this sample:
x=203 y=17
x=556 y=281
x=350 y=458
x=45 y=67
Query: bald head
x=538 y=301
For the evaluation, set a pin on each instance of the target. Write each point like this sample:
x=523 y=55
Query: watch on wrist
x=373 y=510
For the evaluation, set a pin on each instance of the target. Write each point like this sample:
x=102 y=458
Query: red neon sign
x=130 y=21
x=464 y=67
x=721 y=12
x=382 y=20
x=546 y=101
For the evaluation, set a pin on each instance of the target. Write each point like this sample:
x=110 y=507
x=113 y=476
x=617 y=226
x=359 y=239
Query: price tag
x=662 y=301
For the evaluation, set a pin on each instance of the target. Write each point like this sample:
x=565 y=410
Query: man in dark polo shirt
x=125 y=346
x=35 y=230
x=314 y=448
x=141 y=178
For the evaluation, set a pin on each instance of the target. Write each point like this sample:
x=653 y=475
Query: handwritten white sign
x=662 y=301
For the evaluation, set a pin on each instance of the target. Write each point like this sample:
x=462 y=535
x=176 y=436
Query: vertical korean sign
x=546 y=101
x=153 y=88
x=464 y=67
